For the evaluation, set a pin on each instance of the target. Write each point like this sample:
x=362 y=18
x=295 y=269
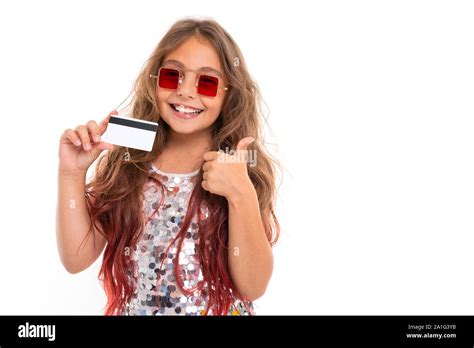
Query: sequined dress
x=164 y=297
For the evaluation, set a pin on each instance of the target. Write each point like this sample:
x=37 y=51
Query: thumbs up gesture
x=226 y=174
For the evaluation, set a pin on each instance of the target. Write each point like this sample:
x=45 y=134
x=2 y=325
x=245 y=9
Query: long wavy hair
x=114 y=194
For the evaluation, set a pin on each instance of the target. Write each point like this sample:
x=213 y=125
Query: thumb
x=243 y=143
x=98 y=148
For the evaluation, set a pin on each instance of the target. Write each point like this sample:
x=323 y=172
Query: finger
x=211 y=155
x=105 y=122
x=206 y=166
x=243 y=143
x=84 y=136
x=94 y=131
x=205 y=185
x=98 y=148
x=72 y=137
x=105 y=146
x=205 y=175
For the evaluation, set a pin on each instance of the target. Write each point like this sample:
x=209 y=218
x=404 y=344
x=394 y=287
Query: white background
x=371 y=108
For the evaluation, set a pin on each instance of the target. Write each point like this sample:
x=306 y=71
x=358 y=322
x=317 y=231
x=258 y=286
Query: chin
x=187 y=126
x=184 y=127
x=185 y=130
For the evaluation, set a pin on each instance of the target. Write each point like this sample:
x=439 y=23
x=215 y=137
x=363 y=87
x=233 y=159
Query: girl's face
x=196 y=112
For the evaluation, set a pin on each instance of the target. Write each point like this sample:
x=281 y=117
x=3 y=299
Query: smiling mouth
x=185 y=110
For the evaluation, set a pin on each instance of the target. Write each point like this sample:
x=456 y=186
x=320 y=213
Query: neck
x=195 y=142
x=183 y=152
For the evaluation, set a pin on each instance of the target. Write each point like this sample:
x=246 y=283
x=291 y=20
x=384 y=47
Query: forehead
x=195 y=54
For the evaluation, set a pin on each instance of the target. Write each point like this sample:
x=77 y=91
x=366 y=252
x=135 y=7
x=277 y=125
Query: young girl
x=187 y=229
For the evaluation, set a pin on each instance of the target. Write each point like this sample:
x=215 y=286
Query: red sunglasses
x=171 y=78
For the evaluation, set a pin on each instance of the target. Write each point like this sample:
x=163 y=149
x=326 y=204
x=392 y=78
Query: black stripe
x=132 y=123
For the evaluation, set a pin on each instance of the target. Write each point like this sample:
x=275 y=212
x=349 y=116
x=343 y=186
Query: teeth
x=183 y=109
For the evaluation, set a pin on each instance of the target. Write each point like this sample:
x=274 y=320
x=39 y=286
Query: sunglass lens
x=208 y=85
x=169 y=78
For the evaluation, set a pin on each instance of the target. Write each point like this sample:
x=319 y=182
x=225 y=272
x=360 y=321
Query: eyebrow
x=204 y=68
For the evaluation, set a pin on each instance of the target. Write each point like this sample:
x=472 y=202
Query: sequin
x=155 y=288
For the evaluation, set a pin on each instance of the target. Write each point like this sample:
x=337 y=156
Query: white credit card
x=130 y=132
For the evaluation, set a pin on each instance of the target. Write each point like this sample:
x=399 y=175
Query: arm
x=78 y=149
x=250 y=258
x=250 y=254
x=72 y=224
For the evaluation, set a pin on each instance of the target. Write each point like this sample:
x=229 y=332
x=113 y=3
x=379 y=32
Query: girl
x=186 y=229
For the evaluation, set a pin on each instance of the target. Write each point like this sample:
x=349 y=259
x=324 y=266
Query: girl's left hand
x=226 y=174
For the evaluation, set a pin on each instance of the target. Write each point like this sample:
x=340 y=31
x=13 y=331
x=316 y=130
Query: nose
x=187 y=87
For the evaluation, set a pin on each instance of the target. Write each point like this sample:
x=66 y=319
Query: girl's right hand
x=80 y=147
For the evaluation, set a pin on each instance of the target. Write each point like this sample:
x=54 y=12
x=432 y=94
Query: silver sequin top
x=165 y=297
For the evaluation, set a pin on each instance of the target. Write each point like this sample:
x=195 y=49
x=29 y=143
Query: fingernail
x=87 y=146
x=97 y=138
x=77 y=143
